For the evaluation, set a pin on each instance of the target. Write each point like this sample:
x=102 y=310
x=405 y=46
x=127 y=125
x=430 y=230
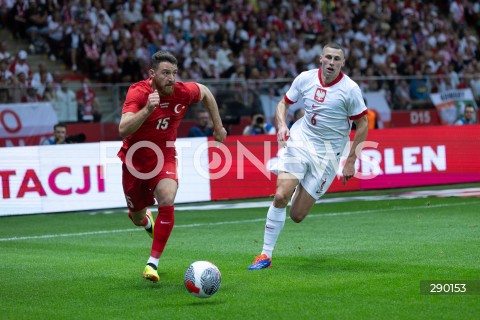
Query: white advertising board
x=85 y=176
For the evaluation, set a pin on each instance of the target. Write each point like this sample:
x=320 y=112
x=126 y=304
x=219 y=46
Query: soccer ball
x=202 y=279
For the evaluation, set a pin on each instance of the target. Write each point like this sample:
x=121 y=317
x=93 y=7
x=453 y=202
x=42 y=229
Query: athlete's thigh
x=294 y=161
x=286 y=183
x=137 y=193
x=165 y=184
x=166 y=191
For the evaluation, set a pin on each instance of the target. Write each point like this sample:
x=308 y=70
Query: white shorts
x=315 y=169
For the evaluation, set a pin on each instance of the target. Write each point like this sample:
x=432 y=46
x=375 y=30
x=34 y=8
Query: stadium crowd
x=433 y=44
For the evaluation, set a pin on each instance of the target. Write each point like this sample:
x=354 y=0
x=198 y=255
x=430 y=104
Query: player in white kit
x=314 y=144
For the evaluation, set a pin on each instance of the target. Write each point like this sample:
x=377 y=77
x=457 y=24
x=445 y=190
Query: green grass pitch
x=347 y=260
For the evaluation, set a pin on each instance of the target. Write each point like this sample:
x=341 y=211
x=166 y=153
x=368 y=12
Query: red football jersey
x=160 y=127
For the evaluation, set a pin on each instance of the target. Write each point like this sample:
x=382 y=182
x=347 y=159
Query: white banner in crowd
x=26 y=123
x=451 y=103
x=86 y=176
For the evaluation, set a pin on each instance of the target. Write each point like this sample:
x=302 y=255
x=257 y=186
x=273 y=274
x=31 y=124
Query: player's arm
x=219 y=132
x=360 y=136
x=131 y=121
x=281 y=118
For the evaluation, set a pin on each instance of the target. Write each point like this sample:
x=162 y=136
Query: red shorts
x=139 y=192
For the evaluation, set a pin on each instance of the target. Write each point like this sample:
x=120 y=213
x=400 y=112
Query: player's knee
x=166 y=200
x=297 y=216
x=281 y=199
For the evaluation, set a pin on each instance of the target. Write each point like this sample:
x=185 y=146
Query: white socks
x=275 y=222
x=153 y=261
x=148 y=225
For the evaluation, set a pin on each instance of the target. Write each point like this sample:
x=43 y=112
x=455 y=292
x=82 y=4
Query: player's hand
x=348 y=171
x=220 y=135
x=153 y=100
x=282 y=135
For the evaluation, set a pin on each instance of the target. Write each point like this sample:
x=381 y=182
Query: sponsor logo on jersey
x=164 y=105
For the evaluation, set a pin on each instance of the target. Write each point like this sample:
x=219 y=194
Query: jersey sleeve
x=132 y=101
x=357 y=107
x=194 y=92
x=294 y=93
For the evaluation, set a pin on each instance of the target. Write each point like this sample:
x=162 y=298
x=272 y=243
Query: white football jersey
x=329 y=109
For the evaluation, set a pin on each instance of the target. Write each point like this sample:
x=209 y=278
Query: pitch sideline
x=322 y=215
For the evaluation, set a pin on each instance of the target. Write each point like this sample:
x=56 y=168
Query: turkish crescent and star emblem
x=178 y=108
x=320 y=95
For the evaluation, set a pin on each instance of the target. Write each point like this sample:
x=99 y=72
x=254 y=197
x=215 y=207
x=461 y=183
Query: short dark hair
x=61 y=124
x=334 y=45
x=162 y=56
x=254 y=113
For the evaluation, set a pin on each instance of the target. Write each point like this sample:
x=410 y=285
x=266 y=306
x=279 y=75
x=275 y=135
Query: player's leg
x=165 y=192
x=313 y=186
x=275 y=221
x=138 y=199
x=301 y=205
x=143 y=218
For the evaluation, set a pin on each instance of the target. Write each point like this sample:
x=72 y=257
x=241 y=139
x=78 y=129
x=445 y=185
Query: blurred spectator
x=17 y=18
x=66 y=103
x=454 y=78
x=38 y=43
x=419 y=90
x=132 y=13
x=4 y=96
x=49 y=95
x=31 y=95
x=259 y=125
x=73 y=43
x=4 y=8
x=19 y=87
x=109 y=63
x=60 y=136
x=468 y=116
x=41 y=79
x=203 y=128
x=103 y=27
x=20 y=65
x=131 y=68
x=55 y=35
x=4 y=54
x=88 y=107
x=36 y=19
x=6 y=76
x=401 y=96
x=91 y=56
x=194 y=72
x=475 y=84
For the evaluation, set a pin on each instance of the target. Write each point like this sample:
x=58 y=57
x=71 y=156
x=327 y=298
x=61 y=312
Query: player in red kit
x=151 y=115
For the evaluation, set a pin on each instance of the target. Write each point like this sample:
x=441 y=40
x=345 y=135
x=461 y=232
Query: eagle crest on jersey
x=320 y=95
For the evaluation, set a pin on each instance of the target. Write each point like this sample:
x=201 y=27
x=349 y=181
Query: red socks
x=163 y=228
